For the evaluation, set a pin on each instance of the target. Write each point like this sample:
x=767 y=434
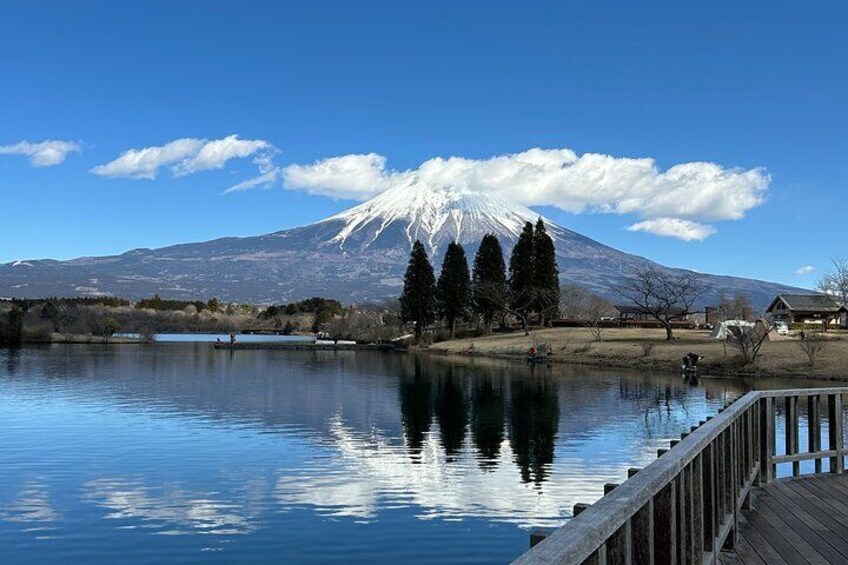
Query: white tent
x=720 y=330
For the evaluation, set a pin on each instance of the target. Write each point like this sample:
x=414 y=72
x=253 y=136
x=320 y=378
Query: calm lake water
x=178 y=453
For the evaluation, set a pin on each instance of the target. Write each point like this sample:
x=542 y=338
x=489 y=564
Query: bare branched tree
x=749 y=339
x=577 y=303
x=523 y=306
x=665 y=296
x=597 y=308
x=572 y=301
x=812 y=343
x=835 y=282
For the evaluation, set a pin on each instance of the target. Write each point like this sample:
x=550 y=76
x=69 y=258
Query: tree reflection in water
x=487 y=420
x=533 y=424
x=532 y=406
x=416 y=406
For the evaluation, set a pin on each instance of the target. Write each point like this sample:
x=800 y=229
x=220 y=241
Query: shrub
x=812 y=343
x=647 y=348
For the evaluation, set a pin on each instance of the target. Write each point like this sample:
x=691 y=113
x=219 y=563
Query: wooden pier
x=302 y=346
x=713 y=496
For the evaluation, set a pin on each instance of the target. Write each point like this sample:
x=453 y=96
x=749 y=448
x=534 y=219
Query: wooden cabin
x=807 y=309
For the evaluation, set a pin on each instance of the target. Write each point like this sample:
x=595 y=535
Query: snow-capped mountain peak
x=435 y=215
x=356 y=256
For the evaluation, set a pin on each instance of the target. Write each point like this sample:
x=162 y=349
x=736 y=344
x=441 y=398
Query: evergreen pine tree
x=489 y=280
x=545 y=274
x=417 y=302
x=521 y=275
x=453 y=286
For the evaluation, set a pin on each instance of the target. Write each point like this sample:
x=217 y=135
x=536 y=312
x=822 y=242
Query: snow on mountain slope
x=435 y=216
x=357 y=255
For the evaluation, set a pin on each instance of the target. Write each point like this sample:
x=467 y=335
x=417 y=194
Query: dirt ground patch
x=647 y=349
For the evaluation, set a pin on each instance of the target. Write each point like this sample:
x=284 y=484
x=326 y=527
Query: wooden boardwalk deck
x=797 y=521
x=716 y=487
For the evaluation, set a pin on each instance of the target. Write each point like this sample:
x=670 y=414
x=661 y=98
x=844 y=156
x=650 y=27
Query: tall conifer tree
x=521 y=274
x=489 y=280
x=545 y=274
x=418 y=300
x=452 y=290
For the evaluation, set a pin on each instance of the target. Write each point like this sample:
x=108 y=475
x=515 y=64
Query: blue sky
x=751 y=87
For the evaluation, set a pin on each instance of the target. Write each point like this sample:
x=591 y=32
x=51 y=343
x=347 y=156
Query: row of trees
x=323 y=310
x=529 y=293
x=11 y=325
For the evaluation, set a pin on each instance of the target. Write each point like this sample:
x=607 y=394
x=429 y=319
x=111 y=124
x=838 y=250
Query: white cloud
x=184 y=157
x=686 y=230
x=215 y=154
x=264 y=180
x=44 y=154
x=592 y=182
x=805 y=270
x=356 y=177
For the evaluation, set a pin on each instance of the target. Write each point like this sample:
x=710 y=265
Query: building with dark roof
x=807 y=309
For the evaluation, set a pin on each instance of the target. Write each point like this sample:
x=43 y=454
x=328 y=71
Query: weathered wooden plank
x=746 y=553
x=682 y=517
x=665 y=510
x=804 y=510
x=813 y=547
x=643 y=535
x=808 y=488
x=792 y=432
x=802 y=392
x=814 y=428
x=811 y=504
x=619 y=550
x=766 y=439
x=762 y=547
x=709 y=510
x=835 y=486
x=774 y=538
x=804 y=457
x=834 y=425
x=697 y=517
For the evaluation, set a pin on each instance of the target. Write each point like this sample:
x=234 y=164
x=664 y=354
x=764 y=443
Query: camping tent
x=720 y=330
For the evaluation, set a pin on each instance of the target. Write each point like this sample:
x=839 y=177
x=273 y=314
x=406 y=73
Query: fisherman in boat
x=533 y=355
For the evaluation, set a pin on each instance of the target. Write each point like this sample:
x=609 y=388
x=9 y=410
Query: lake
x=179 y=453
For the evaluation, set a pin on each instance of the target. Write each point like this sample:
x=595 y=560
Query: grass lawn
x=780 y=356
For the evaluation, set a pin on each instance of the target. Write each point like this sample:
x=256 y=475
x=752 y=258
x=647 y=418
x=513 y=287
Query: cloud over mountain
x=686 y=230
x=43 y=154
x=673 y=202
x=183 y=156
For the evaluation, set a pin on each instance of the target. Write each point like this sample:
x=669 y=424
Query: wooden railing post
x=814 y=428
x=834 y=424
x=792 y=432
x=665 y=525
x=710 y=512
x=643 y=535
x=766 y=440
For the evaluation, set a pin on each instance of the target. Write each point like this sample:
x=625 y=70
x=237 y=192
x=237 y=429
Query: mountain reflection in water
x=312 y=456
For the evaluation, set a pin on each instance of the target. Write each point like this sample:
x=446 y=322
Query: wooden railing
x=684 y=507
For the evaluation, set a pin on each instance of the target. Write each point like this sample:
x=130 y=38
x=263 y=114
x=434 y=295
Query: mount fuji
x=356 y=256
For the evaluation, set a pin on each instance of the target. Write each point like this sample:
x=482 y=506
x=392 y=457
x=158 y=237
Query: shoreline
x=780 y=358
x=707 y=372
